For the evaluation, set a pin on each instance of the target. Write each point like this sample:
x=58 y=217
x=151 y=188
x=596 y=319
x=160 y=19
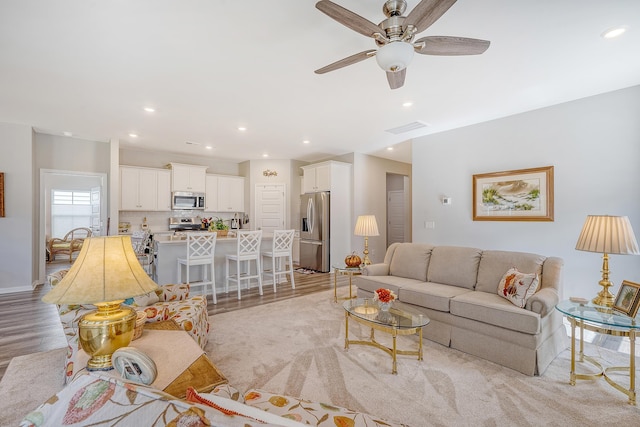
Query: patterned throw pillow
x=518 y=287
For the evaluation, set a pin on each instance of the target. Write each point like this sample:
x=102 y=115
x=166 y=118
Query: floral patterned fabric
x=311 y=413
x=97 y=399
x=190 y=313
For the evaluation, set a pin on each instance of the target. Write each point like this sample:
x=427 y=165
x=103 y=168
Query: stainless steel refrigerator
x=315 y=231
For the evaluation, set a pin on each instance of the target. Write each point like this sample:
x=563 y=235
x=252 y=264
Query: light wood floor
x=27 y=325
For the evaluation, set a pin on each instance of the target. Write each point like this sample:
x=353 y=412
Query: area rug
x=296 y=347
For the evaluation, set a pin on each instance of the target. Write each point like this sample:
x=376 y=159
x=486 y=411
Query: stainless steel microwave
x=184 y=200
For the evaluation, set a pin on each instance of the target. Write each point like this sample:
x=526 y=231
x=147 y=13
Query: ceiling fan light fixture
x=395 y=56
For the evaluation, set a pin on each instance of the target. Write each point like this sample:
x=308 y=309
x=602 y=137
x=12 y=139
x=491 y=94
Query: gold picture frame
x=628 y=298
x=1 y=194
x=517 y=195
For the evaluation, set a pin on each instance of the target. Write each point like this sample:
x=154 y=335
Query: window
x=69 y=209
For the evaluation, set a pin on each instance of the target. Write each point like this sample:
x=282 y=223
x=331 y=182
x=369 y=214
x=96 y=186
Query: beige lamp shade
x=608 y=235
x=106 y=270
x=366 y=225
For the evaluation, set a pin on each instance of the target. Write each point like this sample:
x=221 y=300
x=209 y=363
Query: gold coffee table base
x=394 y=332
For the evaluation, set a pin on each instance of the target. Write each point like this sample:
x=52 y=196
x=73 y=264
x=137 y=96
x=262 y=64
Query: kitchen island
x=168 y=249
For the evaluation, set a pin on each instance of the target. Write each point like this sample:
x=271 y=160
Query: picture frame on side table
x=628 y=298
x=516 y=195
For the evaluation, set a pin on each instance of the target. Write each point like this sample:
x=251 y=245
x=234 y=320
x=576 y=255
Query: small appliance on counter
x=185 y=223
x=235 y=222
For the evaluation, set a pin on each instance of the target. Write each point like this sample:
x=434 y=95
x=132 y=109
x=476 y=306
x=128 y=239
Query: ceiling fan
x=394 y=36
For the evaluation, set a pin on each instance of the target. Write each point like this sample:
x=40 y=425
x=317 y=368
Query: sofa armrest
x=543 y=302
x=376 y=270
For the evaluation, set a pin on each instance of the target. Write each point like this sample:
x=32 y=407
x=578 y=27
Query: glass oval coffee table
x=399 y=320
x=602 y=320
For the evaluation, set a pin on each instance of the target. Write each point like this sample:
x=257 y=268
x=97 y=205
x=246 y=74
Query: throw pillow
x=143 y=300
x=518 y=287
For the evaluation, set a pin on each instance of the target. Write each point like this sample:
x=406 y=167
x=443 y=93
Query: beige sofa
x=457 y=288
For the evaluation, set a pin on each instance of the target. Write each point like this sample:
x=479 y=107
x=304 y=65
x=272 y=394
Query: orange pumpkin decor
x=353 y=260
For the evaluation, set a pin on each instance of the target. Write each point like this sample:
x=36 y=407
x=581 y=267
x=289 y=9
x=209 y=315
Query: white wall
x=594 y=146
x=18 y=268
x=370 y=198
x=160 y=159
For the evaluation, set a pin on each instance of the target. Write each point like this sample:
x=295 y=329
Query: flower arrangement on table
x=384 y=295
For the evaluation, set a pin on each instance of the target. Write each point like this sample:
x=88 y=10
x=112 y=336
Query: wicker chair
x=72 y=242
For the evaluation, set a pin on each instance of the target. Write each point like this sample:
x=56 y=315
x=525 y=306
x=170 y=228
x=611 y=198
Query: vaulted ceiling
x=208 y=67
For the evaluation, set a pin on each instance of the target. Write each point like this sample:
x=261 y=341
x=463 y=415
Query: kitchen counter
x=168 y=248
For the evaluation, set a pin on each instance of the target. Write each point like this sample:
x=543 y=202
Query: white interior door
x=395 y=217
x=270 y=207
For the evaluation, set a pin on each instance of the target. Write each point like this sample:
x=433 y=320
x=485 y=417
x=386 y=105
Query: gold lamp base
x=105 y=330
x=604 y=297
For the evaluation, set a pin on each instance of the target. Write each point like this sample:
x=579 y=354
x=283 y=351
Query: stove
x=185 y=223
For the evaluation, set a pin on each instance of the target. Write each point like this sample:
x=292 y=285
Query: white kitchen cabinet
x=211 y=193
x=317 y=177
x=138 y=189
x=188 y=178
x=230 y=194
x=164 y=190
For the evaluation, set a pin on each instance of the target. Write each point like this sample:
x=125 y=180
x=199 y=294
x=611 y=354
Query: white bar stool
x=201 y=247
x=281 y=250
x=247 y=249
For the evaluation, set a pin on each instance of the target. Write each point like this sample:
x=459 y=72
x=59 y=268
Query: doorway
x=270 y=207
x=398 y=209
x=95 y=184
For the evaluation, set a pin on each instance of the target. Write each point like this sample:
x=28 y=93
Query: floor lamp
x=607 y=235
x=366 y=226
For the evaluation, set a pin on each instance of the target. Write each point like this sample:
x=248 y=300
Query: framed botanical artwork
x=517 y=195
x=628 y=298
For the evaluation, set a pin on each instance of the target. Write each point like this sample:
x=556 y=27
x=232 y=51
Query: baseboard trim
x=16 y=289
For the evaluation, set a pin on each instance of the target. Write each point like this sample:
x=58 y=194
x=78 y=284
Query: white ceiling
x=208 y=66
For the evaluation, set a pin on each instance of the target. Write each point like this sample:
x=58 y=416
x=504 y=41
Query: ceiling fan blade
x=426 y=13
x=349 y=19
x=396 y=79
x=347 y=61
x=450 y=46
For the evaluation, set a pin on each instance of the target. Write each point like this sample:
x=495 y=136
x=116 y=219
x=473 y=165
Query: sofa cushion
x=411 y=260
x=456 y=266
x=430 y=295
x=393 y=283
x=494 y=310
x=517 y=287
x=493 y=264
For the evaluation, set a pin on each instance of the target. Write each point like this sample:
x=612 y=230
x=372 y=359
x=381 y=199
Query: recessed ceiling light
x=242 y=128
x=407 y=104
x=306 y=141
x=149 y=109
x=208 y=147
x=389 y=148
x=614 y=32
x=67 y=133
x=265 y=155
x=133 y=135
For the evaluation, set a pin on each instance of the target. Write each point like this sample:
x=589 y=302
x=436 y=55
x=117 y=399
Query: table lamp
x=366 y=226
x=105 y=273
x=607 y=235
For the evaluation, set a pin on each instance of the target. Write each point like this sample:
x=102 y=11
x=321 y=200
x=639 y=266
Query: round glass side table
x=602 y=320
x=341 y=270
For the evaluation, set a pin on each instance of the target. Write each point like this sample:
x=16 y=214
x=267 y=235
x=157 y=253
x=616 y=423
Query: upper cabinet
x=230 y=194
x=224 y=193
x=144 y=189
x=317 y=177
x=164 y=190
x=188 y=178
x=211 y=193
